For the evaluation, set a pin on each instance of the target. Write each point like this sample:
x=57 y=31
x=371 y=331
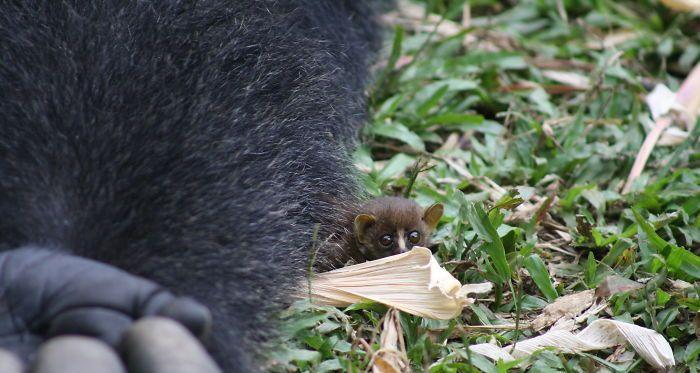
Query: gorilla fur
x=193 y=143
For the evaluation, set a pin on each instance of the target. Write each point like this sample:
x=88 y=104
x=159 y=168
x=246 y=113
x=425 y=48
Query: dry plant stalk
x=645 y=151
x=601 y=334
x=391 y=356
x=688 y=98
x=412 y=282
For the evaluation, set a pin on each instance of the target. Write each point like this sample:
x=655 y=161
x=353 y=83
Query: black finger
x=187 y=311
x=43 y=284
x=73 y=354
x=101 y=323
x=160 y=345
x=190 y=313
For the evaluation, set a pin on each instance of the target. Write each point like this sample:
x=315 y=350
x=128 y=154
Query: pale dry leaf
x=555 y=248
x=480 y=288
x=592 y=311
x=410 y=10
x=661 y=100
x=572 y=79
x=380 y=365
x=547 y=129
x=621 y=355
x=614 y=284
x=688 y=99
x=681 y=285
x=564 y=235
x=611 y=40
x=683 y=5
x=601 y=334
x=672 y=136
x=412 y=282
x=567 y=306
x=391 y=357
x=564 y=324
x=688 y=96
x=419 y=20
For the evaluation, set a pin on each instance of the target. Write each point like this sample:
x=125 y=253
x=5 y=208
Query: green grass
x=496 y=132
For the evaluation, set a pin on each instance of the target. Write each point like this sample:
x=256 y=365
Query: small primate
x=392 y=225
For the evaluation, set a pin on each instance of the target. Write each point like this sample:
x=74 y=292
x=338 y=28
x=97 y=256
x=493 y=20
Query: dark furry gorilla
x=193 y=144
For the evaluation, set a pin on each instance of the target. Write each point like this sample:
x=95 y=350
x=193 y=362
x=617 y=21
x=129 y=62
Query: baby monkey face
x=391 y=225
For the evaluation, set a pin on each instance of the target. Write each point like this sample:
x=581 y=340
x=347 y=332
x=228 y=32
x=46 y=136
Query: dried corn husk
x=412 y=282
x=601 y=334
x=683 y=5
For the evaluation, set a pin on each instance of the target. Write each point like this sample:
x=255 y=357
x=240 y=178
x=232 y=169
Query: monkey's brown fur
x=394 y=218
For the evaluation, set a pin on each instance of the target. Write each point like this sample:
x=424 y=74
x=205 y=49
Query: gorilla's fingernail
x=9 y=363
x=190 y=313
x=160 y=345
x=71 y=354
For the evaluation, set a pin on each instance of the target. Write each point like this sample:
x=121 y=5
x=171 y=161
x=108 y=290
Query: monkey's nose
x=402 y=246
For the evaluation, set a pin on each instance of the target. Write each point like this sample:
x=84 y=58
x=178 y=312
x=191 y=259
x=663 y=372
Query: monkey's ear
x=362 y=222
x=432 y=215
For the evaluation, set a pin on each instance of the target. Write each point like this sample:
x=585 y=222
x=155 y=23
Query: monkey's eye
x=386 y=240
x=414 y=237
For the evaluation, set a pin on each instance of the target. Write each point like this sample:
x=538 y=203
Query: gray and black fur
x=192 y=143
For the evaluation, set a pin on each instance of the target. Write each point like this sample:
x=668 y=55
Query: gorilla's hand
x=46 y=293
x=151 y=345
